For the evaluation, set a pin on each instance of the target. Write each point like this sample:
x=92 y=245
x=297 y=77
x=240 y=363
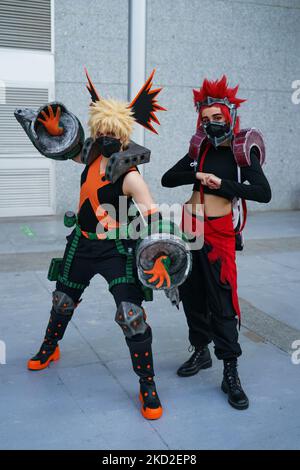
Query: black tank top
x=95 y=193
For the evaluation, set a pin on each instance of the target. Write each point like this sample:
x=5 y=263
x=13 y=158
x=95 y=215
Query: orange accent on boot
x=150 y=413
x=36 y=365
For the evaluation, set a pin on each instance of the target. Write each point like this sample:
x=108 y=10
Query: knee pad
x=131 y=318
x=62 y=303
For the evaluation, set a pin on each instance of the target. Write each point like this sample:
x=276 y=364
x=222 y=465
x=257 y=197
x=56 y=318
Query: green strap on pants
x=129 y=278
x=64 y=278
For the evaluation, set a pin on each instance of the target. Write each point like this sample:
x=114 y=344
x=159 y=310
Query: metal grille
x=24 y=188
x=13 y=139
x=25 y=24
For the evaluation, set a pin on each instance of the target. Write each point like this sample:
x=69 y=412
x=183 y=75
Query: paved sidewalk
x=89 y=399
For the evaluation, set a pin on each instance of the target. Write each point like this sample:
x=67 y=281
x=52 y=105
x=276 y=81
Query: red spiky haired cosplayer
x=217 y=89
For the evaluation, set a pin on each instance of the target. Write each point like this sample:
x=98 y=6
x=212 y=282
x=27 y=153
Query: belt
x=113 y=234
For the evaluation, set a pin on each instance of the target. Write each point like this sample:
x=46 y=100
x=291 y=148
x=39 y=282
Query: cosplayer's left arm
x=257 y=190
x=135 y=186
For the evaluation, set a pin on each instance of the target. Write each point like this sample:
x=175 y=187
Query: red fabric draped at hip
x=219 y=234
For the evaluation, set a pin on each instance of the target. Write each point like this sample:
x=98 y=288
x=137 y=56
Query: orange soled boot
x=43 y=358
x=141 y=355
x=61 y=313
x=151 y=406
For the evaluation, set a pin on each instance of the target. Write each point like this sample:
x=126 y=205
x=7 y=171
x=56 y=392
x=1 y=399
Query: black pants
x=208 y=307
x=100 y=257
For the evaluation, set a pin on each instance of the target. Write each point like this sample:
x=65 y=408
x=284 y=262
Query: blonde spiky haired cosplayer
x=108 y=116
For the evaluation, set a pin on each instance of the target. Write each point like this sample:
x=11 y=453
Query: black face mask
x=108 y=145
x=217 y=132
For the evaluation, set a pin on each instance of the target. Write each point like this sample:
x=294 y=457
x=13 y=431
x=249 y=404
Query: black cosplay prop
x=61 y=147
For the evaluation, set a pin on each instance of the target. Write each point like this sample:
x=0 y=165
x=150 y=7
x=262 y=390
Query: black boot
x=61 y=314
x=142 y=362
x=232 y=386
x=200 y=359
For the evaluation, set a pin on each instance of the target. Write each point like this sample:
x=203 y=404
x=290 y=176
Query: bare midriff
x=215 y=206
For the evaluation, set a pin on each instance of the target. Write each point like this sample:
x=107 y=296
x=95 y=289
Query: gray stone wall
x=254 y=42
x=94 y=34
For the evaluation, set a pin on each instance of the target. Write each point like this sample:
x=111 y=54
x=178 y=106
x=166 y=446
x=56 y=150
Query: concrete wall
x=91 y=33
x=254 y=42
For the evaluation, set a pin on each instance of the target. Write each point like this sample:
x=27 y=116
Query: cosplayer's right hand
x=159 y=272
x=213 y=182
x=202 y=177
x=208 y=179
x=51 y=122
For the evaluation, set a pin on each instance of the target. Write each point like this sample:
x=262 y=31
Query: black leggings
x=208 y=307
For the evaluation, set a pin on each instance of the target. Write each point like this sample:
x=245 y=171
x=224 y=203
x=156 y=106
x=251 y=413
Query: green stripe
x=121 y=280
x=68 y=263
x=113 y=234
x=71 y=284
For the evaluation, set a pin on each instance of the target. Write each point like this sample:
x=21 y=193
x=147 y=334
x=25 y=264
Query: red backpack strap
x=196 y=143
x=245 y=210
x=201 y=168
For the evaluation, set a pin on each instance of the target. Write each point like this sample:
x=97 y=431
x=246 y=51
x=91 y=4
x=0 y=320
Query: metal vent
x=13 y=139
x=24 y=188
x=25 y=24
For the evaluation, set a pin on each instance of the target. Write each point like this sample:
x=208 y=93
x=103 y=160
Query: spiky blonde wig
x=108 y=116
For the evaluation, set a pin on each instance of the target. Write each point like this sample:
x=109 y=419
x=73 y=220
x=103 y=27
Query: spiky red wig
x=218 y=89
